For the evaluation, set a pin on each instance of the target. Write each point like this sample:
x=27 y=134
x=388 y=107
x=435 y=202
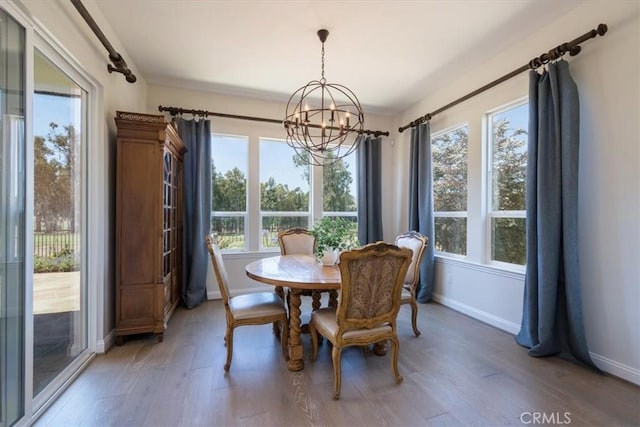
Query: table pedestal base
x=296 y=362
x=380 y=348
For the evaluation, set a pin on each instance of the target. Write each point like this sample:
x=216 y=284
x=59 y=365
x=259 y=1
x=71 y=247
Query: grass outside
x=237 y=241
x=55 y=251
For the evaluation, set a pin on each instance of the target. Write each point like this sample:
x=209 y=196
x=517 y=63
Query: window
x=229 y=188
x=449 y=154
x=284 y=190
x=260 y=186
x=339 y=197
x=507 y=175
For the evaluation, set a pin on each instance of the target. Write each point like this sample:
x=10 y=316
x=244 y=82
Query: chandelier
x=323 y=120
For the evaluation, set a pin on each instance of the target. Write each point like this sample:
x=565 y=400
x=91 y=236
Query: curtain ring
x=544 y=58
x=575 y=50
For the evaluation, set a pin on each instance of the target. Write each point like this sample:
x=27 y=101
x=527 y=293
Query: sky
x=276 y=160
x=519 y=116
x=61 y=110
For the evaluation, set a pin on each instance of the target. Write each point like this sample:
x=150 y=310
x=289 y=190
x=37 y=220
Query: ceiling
x=392 y=54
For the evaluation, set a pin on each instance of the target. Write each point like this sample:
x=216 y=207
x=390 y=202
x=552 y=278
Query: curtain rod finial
x=602 y=29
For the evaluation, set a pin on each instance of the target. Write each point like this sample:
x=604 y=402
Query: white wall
x=66 y=27
x=607 y=73
x=220 y=103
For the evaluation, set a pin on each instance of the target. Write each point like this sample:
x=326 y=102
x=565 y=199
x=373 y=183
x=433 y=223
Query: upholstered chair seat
x=325 y=323
x=255 y=305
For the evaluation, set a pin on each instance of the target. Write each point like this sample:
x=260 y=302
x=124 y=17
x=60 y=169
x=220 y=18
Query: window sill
x=250 y=254
x=515 y=272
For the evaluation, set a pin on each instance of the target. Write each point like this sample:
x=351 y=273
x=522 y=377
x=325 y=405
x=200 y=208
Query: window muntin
x=507 y=180
x=284 y=191
x=229 y=190
x=449 y=154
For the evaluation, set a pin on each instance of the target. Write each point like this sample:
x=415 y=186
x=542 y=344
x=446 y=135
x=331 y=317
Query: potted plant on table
x=332 y=236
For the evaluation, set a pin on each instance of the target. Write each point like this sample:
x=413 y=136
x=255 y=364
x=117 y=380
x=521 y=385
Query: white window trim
x=340 y=213
x=450 y=214
x=453 y=214
x=488 y=213
x=236 y=214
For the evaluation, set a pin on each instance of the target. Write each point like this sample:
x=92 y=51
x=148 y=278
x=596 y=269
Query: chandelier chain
x=322 y=55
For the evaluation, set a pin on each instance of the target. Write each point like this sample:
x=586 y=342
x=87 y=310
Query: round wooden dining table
x=299 y=273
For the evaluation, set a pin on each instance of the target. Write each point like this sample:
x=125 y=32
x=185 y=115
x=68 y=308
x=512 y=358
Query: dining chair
x=257 y=308
x=417 y=243
x=297 y=241
x=372 y=277
x=300 y=241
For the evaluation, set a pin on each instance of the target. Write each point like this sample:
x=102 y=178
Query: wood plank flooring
x=459 y=372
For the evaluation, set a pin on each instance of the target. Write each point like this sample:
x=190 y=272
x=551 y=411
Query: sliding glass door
x=59 y=207
x=12 y=219
x=44 y=298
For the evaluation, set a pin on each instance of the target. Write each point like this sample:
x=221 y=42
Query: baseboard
x=607 y=365
x=483 y=316
x=105 y=344
x=616 y=368
x=211 y=295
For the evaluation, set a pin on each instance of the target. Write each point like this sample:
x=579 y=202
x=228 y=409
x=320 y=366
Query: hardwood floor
x=459 y=372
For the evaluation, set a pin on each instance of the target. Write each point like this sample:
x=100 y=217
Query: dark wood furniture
x=148 y=223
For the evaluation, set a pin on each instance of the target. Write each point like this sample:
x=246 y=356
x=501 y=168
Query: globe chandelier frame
x=324 y=121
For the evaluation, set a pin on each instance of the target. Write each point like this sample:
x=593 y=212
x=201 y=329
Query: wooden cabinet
x=148 y=223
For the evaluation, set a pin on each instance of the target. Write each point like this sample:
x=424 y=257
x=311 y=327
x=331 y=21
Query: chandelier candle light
x=323 y=120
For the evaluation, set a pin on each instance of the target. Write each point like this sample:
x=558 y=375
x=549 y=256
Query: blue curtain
x=552 y=310
x=196 y=135
x=369 y=160
x=421 y=203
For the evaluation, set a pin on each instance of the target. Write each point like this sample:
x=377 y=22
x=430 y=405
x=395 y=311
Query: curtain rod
x=119 y=64
x=174 y=111
x=573 y=47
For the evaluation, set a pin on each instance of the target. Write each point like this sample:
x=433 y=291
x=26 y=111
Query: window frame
x=345 y=214
x=235 y=214
x=488 y=213
x=290 y=214
x=451 y=214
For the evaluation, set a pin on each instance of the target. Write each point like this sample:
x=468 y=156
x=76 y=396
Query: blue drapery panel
x=196 y=135
x=552 y=310
x=421 y=203
x=369 y=161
